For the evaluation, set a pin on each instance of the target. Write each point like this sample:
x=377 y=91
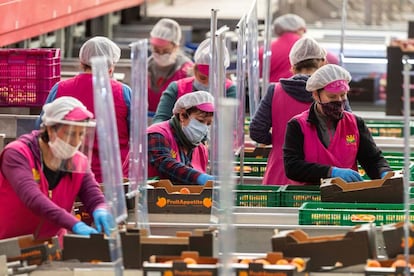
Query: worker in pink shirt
x=288 y=28
x=43 y=172
x=167 y=62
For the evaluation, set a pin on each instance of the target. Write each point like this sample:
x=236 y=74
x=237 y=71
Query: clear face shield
x=71 y=144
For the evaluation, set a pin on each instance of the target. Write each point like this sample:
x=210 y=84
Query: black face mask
x=333 y=110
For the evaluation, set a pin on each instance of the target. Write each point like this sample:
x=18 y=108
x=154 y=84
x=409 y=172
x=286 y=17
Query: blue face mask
x=199 y=86
x=195 y=131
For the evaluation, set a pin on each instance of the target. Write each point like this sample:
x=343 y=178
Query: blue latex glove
x=103 y=218
x=383 y=174
x=203 y=178
x=82 y=228
x=348 y=175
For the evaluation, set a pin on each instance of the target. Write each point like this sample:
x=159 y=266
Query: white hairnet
x=167 y=29
x=288 y=23
x=306 y=48
x=198 y=99
x=325 y=75
x=99 y=46
x=202 y=54
x=56 y=111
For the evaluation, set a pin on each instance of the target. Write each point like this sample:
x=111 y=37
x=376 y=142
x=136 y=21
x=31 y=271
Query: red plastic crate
x=27 y=75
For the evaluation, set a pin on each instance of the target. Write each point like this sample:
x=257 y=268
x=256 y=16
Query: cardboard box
x=185 y=263
x=388 y=268
x=190 y=263
x=394 y=241
x=137 y=246
x=166 y=198
x=354 y=247
x=273 y=264
x=390 y=189
x=29 y=250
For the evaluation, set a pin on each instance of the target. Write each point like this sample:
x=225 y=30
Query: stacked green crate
x=396 y=163
x=295 y=196
x=349 y=214
x=252 y=166
x=257 y=196
x=387 y=128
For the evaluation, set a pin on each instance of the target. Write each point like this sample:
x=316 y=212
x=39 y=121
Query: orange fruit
x=299 y=263
x=189 y=260
x=402 y=263
x=410 y=242
x=246 y=261
x=262 y=261
x=282 y=262
x=373 y=263
x=185 y=191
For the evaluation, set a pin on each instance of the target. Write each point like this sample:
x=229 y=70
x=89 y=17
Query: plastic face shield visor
x=71 y=144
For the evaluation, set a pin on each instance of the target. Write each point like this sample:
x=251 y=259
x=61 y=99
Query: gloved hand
x=384 y=174
x=103 y=218
x=203 y=178
x=82 y=228
x=348 y=175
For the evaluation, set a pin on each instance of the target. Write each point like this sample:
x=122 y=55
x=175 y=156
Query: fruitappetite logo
x=163 y=202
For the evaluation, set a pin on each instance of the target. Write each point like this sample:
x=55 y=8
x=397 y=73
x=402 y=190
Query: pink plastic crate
x=27 y=75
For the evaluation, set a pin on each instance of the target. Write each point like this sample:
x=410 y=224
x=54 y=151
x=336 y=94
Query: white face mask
x=61 y=149
x=165 y=59
x=199 y=86
x=195 y=131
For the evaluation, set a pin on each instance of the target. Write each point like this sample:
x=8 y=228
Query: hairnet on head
x=306 y=48
x=166 y=30
x=201 y=99
x=288 y=23
x=99 y=46
x=65 y=110
x=202 y=54
x=331 y=77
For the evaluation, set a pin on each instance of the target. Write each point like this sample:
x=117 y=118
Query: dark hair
x=44 y=135
x=194 y=109
x=312 y=63
x=85 y=67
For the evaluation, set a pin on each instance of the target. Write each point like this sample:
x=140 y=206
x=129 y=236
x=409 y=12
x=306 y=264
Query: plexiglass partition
x=252 y=58
x=138 y=154
x=109 y=155
x=241 y=72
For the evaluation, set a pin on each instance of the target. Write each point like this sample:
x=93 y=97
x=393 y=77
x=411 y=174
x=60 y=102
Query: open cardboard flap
x=387 y=190
x=350 y=248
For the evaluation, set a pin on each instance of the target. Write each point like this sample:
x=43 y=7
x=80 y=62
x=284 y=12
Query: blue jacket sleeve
x=50 y=98
x=126 y=91
x=261 y=123
x=166 y=104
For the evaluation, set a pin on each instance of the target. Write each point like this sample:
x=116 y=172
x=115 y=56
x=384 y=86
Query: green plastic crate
x=251 y=168
x=387 y=128
x=349 y=214
x=257 y=196
x=295 y=196
x=396 y=163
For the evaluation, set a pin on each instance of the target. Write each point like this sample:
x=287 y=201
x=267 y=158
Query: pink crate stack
x=27 y=75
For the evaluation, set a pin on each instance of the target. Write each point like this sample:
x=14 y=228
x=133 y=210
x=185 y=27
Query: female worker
x=42 y=173
x=282 y=101
x=288 y=28
x=175 y=148
x=326 y=141
x=198 y=82
x=166 y=63
x=81 y=87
